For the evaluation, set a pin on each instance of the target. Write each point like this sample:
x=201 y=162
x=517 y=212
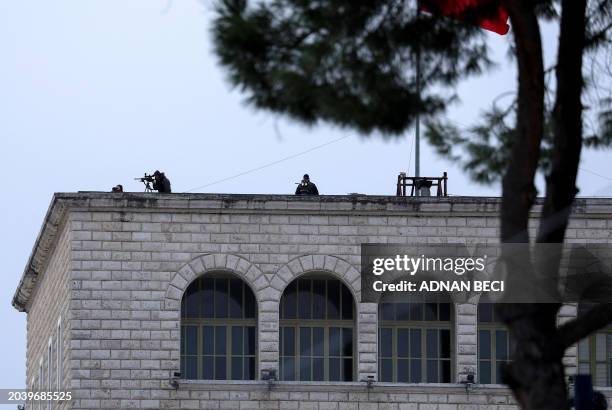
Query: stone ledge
x=300 y=386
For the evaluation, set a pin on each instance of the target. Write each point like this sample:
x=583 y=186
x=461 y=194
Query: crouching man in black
x=161 y=183
x=306 y=187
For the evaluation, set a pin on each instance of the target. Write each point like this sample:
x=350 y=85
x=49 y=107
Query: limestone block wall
x=48 y=306
x=133 y=255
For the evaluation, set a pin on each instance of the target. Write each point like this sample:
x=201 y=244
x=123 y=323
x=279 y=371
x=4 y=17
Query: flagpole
x=417 y=127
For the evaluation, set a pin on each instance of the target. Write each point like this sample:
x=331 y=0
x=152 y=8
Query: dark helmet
x=306 y=176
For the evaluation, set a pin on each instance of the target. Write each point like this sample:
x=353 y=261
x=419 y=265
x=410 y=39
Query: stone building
x=189 y=300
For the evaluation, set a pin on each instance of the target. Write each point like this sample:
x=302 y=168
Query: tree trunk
x=567 y=123
x=518 y=189
x=536 y=374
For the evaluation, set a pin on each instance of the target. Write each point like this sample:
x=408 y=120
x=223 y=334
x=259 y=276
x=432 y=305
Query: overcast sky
x=94 y=93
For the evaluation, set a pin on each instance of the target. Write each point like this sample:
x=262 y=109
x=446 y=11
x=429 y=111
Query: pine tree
x=353 y=64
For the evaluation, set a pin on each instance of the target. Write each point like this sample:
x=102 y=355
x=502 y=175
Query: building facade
x=184 y=301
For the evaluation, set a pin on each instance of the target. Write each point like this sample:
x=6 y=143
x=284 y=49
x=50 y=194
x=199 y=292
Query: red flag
x=497 y=23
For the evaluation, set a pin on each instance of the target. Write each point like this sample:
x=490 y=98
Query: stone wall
x=133 y=255
x=48 y=305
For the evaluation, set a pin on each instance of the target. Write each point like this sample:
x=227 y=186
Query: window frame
x=59 y=356
x=591 y=341
x=49 y=368
x=492 y=326
x=324 y=323
x=41 y=377
x=33 y=383
x=592 y=361
x=228 y=323
x=423 y=325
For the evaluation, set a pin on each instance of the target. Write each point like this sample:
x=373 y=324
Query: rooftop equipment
x=421 y=186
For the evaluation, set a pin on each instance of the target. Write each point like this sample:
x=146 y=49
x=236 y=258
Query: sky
x=95 y=93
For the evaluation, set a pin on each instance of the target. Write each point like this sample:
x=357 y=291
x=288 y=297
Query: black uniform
x=306 y=188
x=162 y=184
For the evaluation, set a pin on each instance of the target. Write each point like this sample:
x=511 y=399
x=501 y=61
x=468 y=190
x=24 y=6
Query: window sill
x=260 y=385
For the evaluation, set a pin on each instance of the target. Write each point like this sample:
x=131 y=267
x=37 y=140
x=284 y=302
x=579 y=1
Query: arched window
x=595 y=353
x=218 y=329
x=494 y=345
x=415 y=341
x=316 y=330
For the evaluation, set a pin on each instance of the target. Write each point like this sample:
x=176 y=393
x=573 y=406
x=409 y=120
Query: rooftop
x=356 y=204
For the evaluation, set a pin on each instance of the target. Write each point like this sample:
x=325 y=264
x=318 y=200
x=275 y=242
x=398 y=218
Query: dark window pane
x=445 y=343
x=288 y=368
x=402 y=311
x=484 y=372
x=221 y=298
x=191 y=367
x=501 y=344
x=249 y=368
x=431 y=311
x=304 y=299
x=347 y=341
x=208 y=368
x=288 y=341
x=416 y=311
x=403 y=339
x=220 y=340
x=281 y=342
x=445 y=309
x=305 y=368
x=220 y=369
x=498 y=366
x=191 y=339
x=385 y=344
x=235 y=298
x=403 y=371
x=485 y=312
x=432 y=371
x=208 y=298
x=334 y=341
x=416 y=371
x=249 y=341
x=333 y=299
x=318 y=303
x=236 y=340
x=236 y=368
x=318 y=344
x=192 y=300
x=334 y=370
x=347 y=370
x=386 y=370
x=289 y=300
x=347 y=303
x=432 y=344
x=305 y=341
x=208 y=340
x=446 y=371
x=318 y=369
x=250 y=310
x=415 y=343
x=484 y=344
x=183 y=341
x=386 y=311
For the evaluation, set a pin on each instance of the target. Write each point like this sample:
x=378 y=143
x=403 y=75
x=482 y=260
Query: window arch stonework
x=218 y=329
